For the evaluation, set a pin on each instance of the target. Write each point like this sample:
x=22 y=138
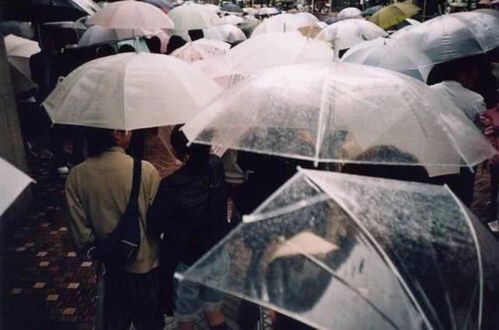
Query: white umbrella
x=99 y=34
x=131 y=91
x=334 y=112
x=374 y=53
x=12 y=183
x=338 y=251
x=347 y=33
x=274 y=49
x=213 y=7
x=201 y=49
x=449 y=37
x=19 y=50
x=131 y=15
x=227 y=32
x=268 y=11
x=89 y=6
x=350 y=12
x=192 y=16
x=284 y=23
x=232 y=19
x=249 y=10
x=218 y=68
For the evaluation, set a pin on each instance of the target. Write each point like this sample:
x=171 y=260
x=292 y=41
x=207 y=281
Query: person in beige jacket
x=97 y=193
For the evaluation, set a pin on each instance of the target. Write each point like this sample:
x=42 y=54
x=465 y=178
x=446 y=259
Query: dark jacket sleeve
x=162 y=212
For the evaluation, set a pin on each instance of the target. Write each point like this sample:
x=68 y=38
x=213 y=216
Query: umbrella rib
x=376 y=245
x=345 y=282
x=478 y=253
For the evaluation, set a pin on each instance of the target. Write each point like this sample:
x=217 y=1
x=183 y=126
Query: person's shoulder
x=148 y=167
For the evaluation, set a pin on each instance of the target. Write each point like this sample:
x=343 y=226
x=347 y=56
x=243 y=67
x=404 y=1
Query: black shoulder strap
x=137 y=177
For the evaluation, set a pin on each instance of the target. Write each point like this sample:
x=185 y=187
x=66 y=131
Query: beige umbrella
x=201 y=49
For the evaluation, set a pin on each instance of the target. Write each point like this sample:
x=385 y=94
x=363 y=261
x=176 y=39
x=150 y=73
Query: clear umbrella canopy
x=131 y=15
x=226 y=32
x=268 y=11
x=12 y=183
x=334 y=112
x=99 y=34
x=284 y=23
x=273 y=49
x=449 y=37
x=201 y=49
x=374 y=53
x=192 y=16
x=131 y=91
x=232 y=19
x=349 y=12
x=19 y=50
x=339 y=251
x=347 y=33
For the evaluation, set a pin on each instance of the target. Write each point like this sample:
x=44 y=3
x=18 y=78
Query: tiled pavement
x=45 y=285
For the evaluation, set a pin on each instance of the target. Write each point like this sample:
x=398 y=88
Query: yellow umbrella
x=394 y=14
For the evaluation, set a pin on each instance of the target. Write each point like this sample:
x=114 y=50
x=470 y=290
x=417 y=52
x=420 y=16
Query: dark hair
x=99 y=140
x=451 y=69
x=174 y=43
x=198 y=153
x=154 y=45
x=378 y=154
x=126 y=49
x=196 y=34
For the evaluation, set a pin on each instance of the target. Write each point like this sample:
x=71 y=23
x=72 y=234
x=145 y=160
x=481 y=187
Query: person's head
x=195 y=153
x=466 y=70
x=174 y=43
x=196 y=34
x=105 y=50
x=101 y=140
x=126 y=48
x=378 y=155
x=154 y=45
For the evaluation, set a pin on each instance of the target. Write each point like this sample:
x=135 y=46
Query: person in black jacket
x=190 y=210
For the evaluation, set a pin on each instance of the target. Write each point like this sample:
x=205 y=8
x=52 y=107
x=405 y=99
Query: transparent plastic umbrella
x=374 y=53
x=333 y=112
x=226 y=32
x=99 y=34
x=347 y=33
x=201 y=49
x=12 y=183
x=449 y=37
x=193 y=16
x=232 y=19
x=284 y=23
x=131 y=91
x=273 y=49
x=131 y=15
x=391 y=15
x=268 y=11
x=218 y=68
x=19 y=50
x=349 y=12
x=338 y=251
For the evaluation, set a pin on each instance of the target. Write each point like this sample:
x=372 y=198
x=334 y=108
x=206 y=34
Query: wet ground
x=45 y=285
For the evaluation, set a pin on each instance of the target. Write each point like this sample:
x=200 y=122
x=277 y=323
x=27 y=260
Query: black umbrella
x=43 y=10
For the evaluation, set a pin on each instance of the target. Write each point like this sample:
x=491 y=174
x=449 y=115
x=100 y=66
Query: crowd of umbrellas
x=332 y=250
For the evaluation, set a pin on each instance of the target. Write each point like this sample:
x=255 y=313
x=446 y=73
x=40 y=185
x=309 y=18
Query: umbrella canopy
x=12 y=183
x=394 y=14
x=338 y=251
x=231 y=7
x=273 y=49
x=449 y=37
x=334 y=112
x=232 y=19
x=131 y=15
x=164 y=5
x=192 y=16
x=371 y=10
x=374 y=53
x=347 y=33
x=249 y=10
x=19 y=50
x=350 y=12
x=216 y=8
x=227 y=33
x=268 y=11
x=201 y=49
x=48 y=10
x=99 y=34
x=218 y=68
x=284 y=23
x=131 y=91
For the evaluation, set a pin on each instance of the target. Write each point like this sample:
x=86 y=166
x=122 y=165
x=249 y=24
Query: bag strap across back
x=137 y=176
